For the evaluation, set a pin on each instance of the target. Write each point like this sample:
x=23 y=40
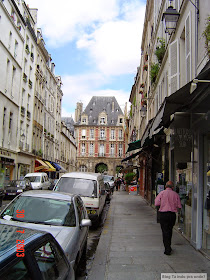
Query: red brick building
x=100 y=135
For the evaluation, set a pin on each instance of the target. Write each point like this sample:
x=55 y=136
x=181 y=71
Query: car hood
x=62 y=234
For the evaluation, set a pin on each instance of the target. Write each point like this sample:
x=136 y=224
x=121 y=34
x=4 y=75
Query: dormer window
x=102 y=120
x=84 y=120
x=121 y=120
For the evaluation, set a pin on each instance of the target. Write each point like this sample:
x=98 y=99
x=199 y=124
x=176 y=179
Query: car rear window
x=83 y=187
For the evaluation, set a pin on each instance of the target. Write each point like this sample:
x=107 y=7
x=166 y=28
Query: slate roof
x=69 y=122
x=99 y=104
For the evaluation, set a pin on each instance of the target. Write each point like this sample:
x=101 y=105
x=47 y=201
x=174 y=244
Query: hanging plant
x=160 y=50
x=154 y=72
x=142 y=85
x=141 y=92
x=206 y=35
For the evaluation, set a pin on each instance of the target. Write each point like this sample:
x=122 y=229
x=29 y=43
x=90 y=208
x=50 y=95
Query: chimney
x=78 y=111
x=112 y=106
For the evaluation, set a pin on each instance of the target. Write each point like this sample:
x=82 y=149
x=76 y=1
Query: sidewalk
x=131 y=247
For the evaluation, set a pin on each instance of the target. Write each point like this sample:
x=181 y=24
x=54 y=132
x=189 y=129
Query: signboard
x=133 y=189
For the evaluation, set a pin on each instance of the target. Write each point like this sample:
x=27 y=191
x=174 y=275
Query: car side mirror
x=86 y=223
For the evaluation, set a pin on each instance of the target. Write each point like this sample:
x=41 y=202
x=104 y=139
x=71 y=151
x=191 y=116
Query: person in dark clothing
x=169 y=203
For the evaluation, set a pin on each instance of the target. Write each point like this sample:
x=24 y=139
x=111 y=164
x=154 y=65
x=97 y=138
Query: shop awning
x=58 y=167
x=131 y=156
x=40 y=165
x=50 y=167
x=134 y=146
x=183 y=101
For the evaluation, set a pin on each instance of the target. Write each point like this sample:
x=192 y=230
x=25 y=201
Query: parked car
x=31 y=254
x=39 y=180
x=91 y=188
x=15 y=187
x=110 y=180
x=63 y=215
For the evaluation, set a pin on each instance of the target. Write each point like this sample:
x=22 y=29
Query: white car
x=91 y=188
x=62 y=215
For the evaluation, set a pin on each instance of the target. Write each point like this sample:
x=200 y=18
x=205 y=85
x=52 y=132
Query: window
x=121 y=120
x=91 y=149
x=101 y=150
x=16 y=49
x=13 y=80
x=112 y=149
x=80 y=209
x=83 y=133
x=112 y=134
x=50 y=262
x=102 y=134
x=120 y=134
x=17 y=271
x=84 y=120
x=120 y=150
x=83 y=149
x=102 y=121
x=91 y=133
x=83 y=168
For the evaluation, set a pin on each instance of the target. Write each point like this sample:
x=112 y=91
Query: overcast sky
x=95 y=45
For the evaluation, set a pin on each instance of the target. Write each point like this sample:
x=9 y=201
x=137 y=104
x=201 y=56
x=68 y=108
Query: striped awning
x=40 y=165
x=50 y=167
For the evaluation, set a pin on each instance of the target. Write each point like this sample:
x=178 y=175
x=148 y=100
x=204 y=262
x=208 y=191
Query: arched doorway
x=101 y=167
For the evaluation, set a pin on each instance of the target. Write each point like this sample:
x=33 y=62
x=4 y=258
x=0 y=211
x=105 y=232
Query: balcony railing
x=101 y=154
x=102 y=138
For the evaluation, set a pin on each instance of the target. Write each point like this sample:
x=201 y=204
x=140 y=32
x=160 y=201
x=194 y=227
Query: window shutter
x=188 y=48
x=174 y=66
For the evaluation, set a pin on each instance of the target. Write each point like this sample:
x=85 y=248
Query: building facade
x=31 y=96
x=100 y=135
x=170 y=98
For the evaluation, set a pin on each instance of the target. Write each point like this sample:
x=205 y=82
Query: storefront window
x=206 y=212
x=184 y=189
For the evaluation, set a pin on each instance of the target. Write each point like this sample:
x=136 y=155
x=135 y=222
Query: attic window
x=112 y=121
x=84 y=120
x=121 y=120
x=117 y=110
x=102 y=121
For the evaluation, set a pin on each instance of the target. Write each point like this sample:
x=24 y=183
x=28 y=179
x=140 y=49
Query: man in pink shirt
x=169 y=203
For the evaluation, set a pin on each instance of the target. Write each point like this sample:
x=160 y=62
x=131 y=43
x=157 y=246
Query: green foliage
x=160 y=49
x=129 y=177
x=101 y=168
x=154 y=72
x=206 y=35
x=131 y=111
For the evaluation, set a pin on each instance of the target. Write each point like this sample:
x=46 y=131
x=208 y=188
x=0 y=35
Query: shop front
x=7 y=168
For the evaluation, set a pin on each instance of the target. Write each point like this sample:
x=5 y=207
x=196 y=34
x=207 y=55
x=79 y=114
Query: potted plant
x=145 y=67
x=206 y=35
x=141 y=92
x=160 y=50
x=154 y=72
x=129 y=178
x=142 y=85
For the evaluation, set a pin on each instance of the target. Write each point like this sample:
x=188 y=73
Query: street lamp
x=170 y=18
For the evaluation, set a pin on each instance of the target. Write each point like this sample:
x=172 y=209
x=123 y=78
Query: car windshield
x=108 y=178
x=34 y=179
x=41 y=211
x=83 y=187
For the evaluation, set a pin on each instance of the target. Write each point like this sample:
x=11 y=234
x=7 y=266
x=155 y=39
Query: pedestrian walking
x=169 y=203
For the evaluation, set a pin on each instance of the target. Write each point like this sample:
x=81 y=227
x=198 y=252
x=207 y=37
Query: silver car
x=63 y=215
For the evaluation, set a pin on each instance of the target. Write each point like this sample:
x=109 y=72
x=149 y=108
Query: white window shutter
x=188 y=48
x=174 y=66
